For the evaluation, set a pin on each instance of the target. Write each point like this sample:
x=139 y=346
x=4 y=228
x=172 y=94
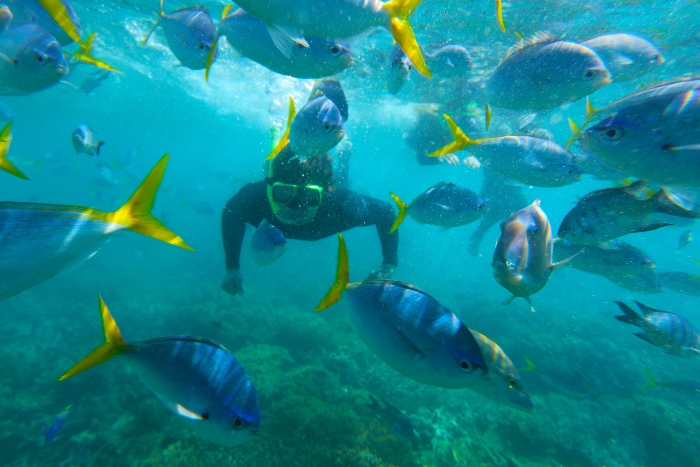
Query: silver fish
x=685 y=239
x=85 y=141
x=646 y=282
x=317 y=128
x=397 y=69
x=611 y=258
x=395 y=421
x=627 y=57
x=33 y=11
x=333 y=90
x=93 y=81
x=450 y=61
x=267 y=244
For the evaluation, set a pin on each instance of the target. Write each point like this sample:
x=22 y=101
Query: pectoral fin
x=284 y=38
x=652 y=226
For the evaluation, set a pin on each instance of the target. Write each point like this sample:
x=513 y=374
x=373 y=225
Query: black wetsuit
x=340 y=210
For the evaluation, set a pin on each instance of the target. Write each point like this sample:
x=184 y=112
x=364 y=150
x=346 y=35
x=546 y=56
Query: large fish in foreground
x=195 y=378
x=40 y=241
x=672 y=332
x=66 y=30
x=421 y=339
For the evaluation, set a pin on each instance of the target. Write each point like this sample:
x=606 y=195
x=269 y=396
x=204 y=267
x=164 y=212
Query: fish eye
x=466 y=366
x=201 y=46
x=564 y=229
x=237 y=423
x=513 y=384
x=656 y=58
x=335 y=50
x=613 y=134
x=40 y=58
x=327 y=127
x=590 y=73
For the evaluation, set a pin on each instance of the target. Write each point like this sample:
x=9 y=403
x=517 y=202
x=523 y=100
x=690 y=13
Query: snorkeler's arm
x=245 y=206
x=381 y=214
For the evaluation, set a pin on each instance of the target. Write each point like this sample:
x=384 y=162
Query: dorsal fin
x=541 y=37
x=315 y=94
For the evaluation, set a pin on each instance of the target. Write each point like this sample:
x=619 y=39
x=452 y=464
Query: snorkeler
x=306 y=201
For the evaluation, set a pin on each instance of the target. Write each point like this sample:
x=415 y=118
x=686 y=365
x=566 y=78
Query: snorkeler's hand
x=383 y=272
x=233 y=282
x=449 y=159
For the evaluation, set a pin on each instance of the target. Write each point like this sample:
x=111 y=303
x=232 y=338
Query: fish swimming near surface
x=195 y=378
x=397 y=69
x=85 y=141
x=611 y=258
x=450 y=61
x=267 y=244
x=5 y=164
x=333 y=90
x=542 y=72
x=646 y=282
x=669 y=331
x=626 y=56
x=396 y=422
x=190 y=34
x=613 y=212
x=681 y=282
x=66 y=30
x=43 y=240
x=685 y=239
x=421 y=339
x=444 y=204
x=56 y=427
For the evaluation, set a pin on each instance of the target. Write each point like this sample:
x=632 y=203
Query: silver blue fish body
x=450 y=61
x=612 y=258
x=250 y=37
x=397 y=69
x=672 y=332
x=626 y=56
x=85 y=141
x=190 y=34
x=543 y=72
x=448 y=205
x=267 y=244
x=685 y=239
x=681 y=282
x=646 y=282
x=316 y=129
x=31 y=59
x=33 y=10
x=333 y=90
x=590 y=164
x=93 y=81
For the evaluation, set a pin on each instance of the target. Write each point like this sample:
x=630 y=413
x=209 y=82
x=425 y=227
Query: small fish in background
x=449 y=61
x=6 y=113
x=627 y=57
x=57 y=426
x=613 y=212
x=267 y=244
x=195 y=378
x=681 y=282
x=317 y=128
x=85 y=141
x=396 y=422
x=444 y=204
x=687 y=386
x=5 y=164
x=190 y=34
x=397 y=69
x=685 y=239
x=573 y=382
x=36 y=12
x=611 y=258
x=93 y=81
x=199 y=206
x=107 y=176
x=669 y=331
x=646 y=282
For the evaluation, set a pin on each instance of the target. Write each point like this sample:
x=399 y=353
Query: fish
x=288 y=21
x=542 y=72
x=66 y=29
x=611 y=258
x=249 y=37
x=93 y=81
x=646 y=282
x=195 y=378
x=685 y=239
x=333 y=90
x=202 y=207
x=6 y=113
x=573 y=382
x=190 y=34
x=85 y=141
x=626 y=56
x=590 y=164
x=444 y=204
x=681 y=282
x=267 y=244
x=450 y=61
x=316 y=129
x=522 y=261
x=397 y=69
x=43 y=240
x=421 y=339
x=669 y=331
x=56 y=427
x=613 y=212
x=31 y=59
x=396 y=422
x=527 y=159
x=5 y=163
x=106 y=175
x=686 y=386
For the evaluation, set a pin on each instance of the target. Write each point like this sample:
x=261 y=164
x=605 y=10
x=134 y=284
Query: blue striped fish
x=672 y=332
x=420 y=338
x=195 y=378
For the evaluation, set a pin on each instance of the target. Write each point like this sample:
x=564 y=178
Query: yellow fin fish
x=285 y=137
x=5 y=164
x=59 y=13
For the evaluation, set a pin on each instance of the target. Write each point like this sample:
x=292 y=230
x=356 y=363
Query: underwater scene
x=349 y=233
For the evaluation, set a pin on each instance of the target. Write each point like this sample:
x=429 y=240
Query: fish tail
x=5 y=164
x=285 y=137
x=59 y=14
x=402 y=212
x=651 y=381
x=575 y=129
x=114 y=343
x=530 y=366
x=136 y=213
x=630 y=316
x=488 y=116
x=99 y=145
x=665 y=204
x=215 y=45
x=160 y=13
x=400 y=11
x=341 y=277
x=460 y=142
x=499 y=15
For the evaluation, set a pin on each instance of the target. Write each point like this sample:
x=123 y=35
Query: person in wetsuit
x=305 y=202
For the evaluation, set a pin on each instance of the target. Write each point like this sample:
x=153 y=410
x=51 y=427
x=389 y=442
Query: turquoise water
x=312 y=373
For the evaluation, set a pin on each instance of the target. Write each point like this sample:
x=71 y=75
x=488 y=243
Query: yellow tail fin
x=136 y=213
x=5 y=164
x=84 y=54
x=342 y=275
x=114 y=343
x=285 y=137
x=59 y=13
x=576 y=131
x=402 y=212
x=400 y=11
x=530 y=366
x=460 y=142
x=651 y=381
x=488 y=116
x=215 y=45
x=499 y=15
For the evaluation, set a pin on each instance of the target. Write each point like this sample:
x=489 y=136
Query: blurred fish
x=43 y=240
x=613 y=212
x=190 y=34
x=527 y=159
x=627 y=57
x=85 y=141
x=395 y=421
x=127 y=159
x=685 y=239
x=687 y=386
x=66 y=31
x=250 y=37
x=267 y=244
x=333 y=90
x=543 y=72
x=574 y=382
x=522 y=261
x=421 y=339
x=590 y=164
x=669 y=331
x=6 y=113
x=56 y=427
x=611 y=258
x=317 y=128
x=5 y=164
x=106 y=175
x=681 y=282
x=195 y=378
x=444 y=204
x=199 y=206
x=397 y=69
x=93 y=80
x=31 y=58
x=450 y=61
x=62 y=169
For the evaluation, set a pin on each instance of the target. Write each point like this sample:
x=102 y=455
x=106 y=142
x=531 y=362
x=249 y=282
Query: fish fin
x=563 y=262
x=6 y=18
x=150 y=31
x=136 y=213
x=460 y=142
x=8 y=59
x=532 y=307
x=526 y=119
x=651 y=381
x=488 y=116
x=5 y=164
x=622 y=60
x=285 y=137
x=652 y=226
x=647 y=310
x=645 y=337
x=59 y=14
x=114 y=343
x=499 y=15
x=99 y=145
x=537 y=38
x=530 y=366
x=403 y=34
x=507 y=302
x=665 y=204
x=282 y=39
x=402 y=212
x=575 y=130
x=342 y=275
x=211 y=56
x=630 y=316
x=520 y=36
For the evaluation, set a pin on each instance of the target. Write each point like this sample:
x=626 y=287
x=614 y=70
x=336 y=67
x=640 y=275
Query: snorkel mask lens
x=283 y=193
